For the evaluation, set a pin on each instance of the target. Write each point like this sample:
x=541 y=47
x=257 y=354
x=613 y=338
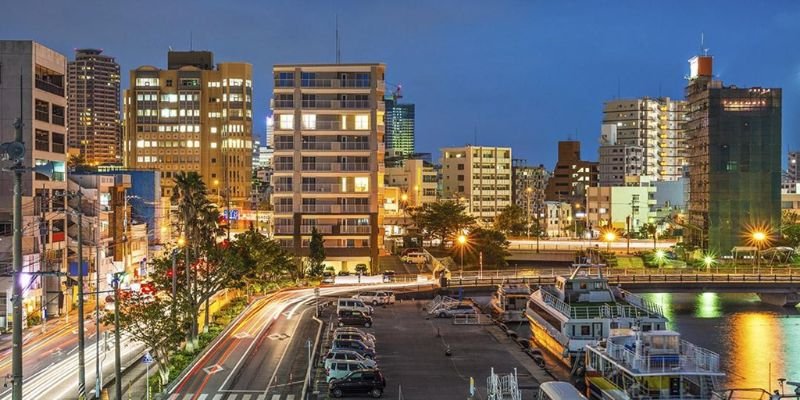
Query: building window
x=362 y=122
x=361 y=184
x=460 y=167
x=42 y=140
x=309 y=121
x=58 y=143
x=287 y=121
x=42 y=111
x=150 y=82
x=58 y=115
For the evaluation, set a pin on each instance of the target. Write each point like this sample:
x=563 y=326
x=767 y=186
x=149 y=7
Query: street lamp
x=462 y=241
x=759 y=237
x=609 y=237
x=659 y=256
x=529 y=191
x=708 y=261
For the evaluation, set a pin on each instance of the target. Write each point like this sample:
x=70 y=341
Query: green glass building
x=399 y=121
x=734 y=140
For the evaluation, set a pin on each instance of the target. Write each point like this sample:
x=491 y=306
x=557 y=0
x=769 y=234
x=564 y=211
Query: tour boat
x=508 y=303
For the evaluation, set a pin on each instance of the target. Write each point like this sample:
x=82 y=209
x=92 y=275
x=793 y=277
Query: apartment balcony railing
x=336 y=146
x=318 y=145
x=50 y=87
x=283 y=104
x=336 y=167
x=306 y=229
x=352 y=146
x=321 y=188
x=334 y=104
x=335 y=83
x=284 y=166
x=335 y=208
x=318 y=208
x=354 y=166
x=283 y=208
x=284 y=83
x=319 y=166
x=284 y=145
x=283 y=187
x=284 y=229
x=355 y=229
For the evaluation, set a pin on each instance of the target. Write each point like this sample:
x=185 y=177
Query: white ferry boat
x=637 y=365
x=582 y=309
x=508 y=303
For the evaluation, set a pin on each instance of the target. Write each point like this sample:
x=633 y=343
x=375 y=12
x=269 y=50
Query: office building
x=44 y=103
x=791 y=178
x=399 y=128
x=656 y=126
x=416 y=179
x=328 y=160
x=528 y=186
x=481 y=175
x=572 y=176
x=734 y=138
x=94 y=109
x=194 y=116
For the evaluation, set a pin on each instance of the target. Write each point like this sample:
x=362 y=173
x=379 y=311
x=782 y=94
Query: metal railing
x=355 y=229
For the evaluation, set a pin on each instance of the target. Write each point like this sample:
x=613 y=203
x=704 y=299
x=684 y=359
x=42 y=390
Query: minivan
x=373 y=298
x=355 y=345
x=340 y=368
x=353 y=304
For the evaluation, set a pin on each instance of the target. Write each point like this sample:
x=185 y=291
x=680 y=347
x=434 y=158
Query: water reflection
x=757 y=343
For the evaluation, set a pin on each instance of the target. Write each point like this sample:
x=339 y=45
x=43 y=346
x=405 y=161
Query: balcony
x=284 y=145
x=354 y=166
x=318 y=145
x=283 y=208
x=335 y=83
x=283 y=187
x=336 y=167
x=337 y=146
x=284 y=229
x=335 y=208
x=284 y=166
x=50 y=87
x=321 y=188
x=319 y=166
x=284 y=83
x=283 y=104
x=336 y=104
x=324 y=229
x=355 y=229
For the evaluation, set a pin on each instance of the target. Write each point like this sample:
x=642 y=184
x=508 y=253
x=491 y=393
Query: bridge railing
x=617 y=279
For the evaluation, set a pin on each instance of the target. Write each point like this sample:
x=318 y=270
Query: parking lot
x=411 y=348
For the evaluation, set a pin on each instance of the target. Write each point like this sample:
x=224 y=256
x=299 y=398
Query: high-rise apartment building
x=619 y=163
x=572 y=176
x=193 y=116
x=328 y=159
x=94 y=114
x=791 y=178
x=481 y=175
x=529 y=184
x=44 y=102
x=399 y=128
x=654 y=125
x=734 y=138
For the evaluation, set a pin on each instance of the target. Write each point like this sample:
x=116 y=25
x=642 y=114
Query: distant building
x=400 y=120
x=44 y=104
x=572 y=176
x=558 y=220
x=734 y=138
x=328 y=163
x=612 y=206
x=791 y=178
x=416 y=179
x=618 y=162
x=193 y=116
x=529 y=184
x=656 y=126
x=94 y=108
x=479 y=175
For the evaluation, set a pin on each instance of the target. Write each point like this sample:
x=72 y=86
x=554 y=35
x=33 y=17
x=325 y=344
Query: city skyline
x=462 y=46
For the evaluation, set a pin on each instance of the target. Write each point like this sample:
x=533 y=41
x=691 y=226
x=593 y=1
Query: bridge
x=781 y=289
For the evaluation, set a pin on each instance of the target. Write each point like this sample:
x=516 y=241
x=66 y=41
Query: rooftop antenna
x=338 y=47
x=475 y=135
x=703 y=48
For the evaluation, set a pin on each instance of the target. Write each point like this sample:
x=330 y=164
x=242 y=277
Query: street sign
x=232 y=214
x=147 y=359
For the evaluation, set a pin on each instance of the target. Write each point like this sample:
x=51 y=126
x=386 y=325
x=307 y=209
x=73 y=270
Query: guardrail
x=632 y=279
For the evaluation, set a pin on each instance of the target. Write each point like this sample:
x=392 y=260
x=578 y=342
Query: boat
x=581 y=309
x=508 y=302
x=657 y=364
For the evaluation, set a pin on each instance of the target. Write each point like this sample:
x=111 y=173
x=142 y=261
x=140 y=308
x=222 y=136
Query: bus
x=559 y=391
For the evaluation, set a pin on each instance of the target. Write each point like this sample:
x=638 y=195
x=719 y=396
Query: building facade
x=620 y=207
x=792 y=176
x=481 y=176
x=572 y=176
x=528 y=186
x=656 y=125
x=618 y=162
x=734 y=137
x=44 y=103
x=557 y=220
x=194 y=116
x=399 y=128
x=329 y=150
x=416 y=179
x=94 y=108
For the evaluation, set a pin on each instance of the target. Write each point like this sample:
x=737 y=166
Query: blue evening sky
x=524 y=74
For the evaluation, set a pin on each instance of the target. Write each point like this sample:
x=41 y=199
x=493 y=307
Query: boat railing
x=690 y=359
x=640 y=302
x=555 y=302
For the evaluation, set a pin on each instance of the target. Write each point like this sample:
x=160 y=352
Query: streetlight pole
x=16 y=358
x=462 y=241
x=117 y=358
x=528 y=212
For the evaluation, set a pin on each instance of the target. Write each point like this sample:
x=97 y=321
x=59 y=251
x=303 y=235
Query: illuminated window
x=146 y=81
x=287 y=121
x=361 y=184
x=139 y=144
x=344 y=122
x=309 y=121
x=344 y=184
x=168 y=113
x=169 y=98
x=213 y=129
x=362 y=122
x=235 y=82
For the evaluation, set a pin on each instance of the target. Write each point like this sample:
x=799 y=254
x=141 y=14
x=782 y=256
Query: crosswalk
x=231 y=396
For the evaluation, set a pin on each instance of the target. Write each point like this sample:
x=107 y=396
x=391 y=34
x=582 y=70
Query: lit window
x=344 y=121
x=362 y=122
x=146 y=81
x=309 y=121
x=213 y=145
x=361 y=184
x=167 y=113
x=344 y=184
x=287 y=121
x=139 y=144
x=169 y=98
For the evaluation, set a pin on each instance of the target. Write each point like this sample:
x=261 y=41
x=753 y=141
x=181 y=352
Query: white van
x=373 y=298
x=559 y=391
x=415 y=258
x=345 y=304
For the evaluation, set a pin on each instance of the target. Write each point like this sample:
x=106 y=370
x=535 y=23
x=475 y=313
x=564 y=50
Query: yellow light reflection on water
x=755 y=344
x=708 y=306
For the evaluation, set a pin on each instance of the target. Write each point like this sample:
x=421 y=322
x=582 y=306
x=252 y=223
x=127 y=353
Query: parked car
x=373 y=298
x=347 y=355
x=369 y=382
x=415 y=258
x=354 y=336
x=354 y=329
x=340 y=369
x=355 y=345
x=328 y=277
x=460 y=309
x=344 y=304
x=410 y=250
x=352 y=317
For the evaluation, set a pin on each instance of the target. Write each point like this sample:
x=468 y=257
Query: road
x=263 y=354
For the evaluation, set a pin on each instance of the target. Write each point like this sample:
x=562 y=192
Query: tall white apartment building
x=328 y=159
x=479 y=175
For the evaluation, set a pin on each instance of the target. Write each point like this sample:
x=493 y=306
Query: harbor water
x=758 y=343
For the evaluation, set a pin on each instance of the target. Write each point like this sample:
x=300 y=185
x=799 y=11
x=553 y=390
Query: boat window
x=583 y=285
x=599 y=285
x=614 y=325
x=586 y=330
x=646 y=328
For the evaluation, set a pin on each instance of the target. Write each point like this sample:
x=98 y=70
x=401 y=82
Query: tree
x=650 y=229
x=316 y=256
x=492 y=244
x=511 y=220
x=790 y=228
x=267 y=261
x=442 y=220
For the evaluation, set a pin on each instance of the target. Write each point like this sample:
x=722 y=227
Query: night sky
x=519 y=73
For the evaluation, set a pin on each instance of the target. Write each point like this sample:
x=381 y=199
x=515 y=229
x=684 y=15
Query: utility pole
x=43 y=232
x=16 y=361
x=117 y=360
x=81 y=333
x=98 y=372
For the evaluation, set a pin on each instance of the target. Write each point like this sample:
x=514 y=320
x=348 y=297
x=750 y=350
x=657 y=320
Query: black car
x=352 y=317
x=365 y=381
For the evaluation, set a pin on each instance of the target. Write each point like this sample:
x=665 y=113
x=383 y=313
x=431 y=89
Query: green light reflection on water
x=708 y=306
